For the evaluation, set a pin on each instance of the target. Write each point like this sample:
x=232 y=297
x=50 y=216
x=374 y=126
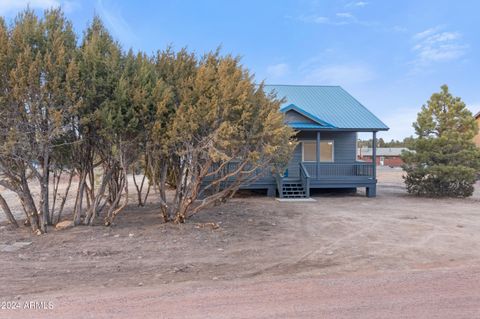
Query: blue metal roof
x=303 y=126
x=330 y=106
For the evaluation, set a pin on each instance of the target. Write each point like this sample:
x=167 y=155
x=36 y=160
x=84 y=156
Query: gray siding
x=345 y=144
x=344 y=152
x=295 y=117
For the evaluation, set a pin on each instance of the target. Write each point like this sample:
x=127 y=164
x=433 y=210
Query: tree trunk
x=77 y=215
x=31 y=211
x=44 y=192
x=7 y=211
x=181 y=214
x=64 y=199
x=90 y=189
x=121 y=186
x=29 y=205
x=163 y=195
x=139 y=188
x=93 y=210
x=56 y=184
x=147 y=193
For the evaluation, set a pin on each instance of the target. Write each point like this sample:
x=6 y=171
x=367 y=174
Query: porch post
x=372 y=189
x=318 y=155
x=374 y=155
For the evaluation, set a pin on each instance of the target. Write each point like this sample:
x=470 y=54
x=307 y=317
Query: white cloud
x=346 y=15
x=320 y=19
x=313 y=19
x=435 y=45
x=339 y=19
x=114 y=20
x=12 y=6
x=339 y=74
x=277 y=71
x=425 y=33
x=357 y=4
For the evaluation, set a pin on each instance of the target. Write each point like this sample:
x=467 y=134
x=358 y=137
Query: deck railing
x=305 y=179
x=334 y=170
x=232 y=167
x=308 y=172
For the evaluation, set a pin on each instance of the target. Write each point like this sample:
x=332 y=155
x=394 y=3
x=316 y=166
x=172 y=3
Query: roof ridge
x=306 y=85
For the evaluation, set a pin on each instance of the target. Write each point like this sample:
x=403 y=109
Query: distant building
x=477 y=137
x=386 y=156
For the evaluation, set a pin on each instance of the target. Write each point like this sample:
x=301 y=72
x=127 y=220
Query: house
x=477 y=137
x=386 y=156
x=327 y=120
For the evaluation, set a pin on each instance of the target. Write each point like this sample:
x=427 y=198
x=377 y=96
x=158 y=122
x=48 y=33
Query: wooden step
x=293 y=189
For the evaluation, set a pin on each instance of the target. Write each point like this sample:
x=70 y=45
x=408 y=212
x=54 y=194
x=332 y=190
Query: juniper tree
x=142 y=97
x=444 y=159
x=201 y=126
x=4 y=68
x=175 y=74
x=123 y=130
x=99 y=70
x=38 y=54
x=59 y=51
x=20 y=67
x=225 y=132
x=64 y=153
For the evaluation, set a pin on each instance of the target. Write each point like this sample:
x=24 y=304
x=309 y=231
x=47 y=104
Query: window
x=326 y=151
x=309 y=151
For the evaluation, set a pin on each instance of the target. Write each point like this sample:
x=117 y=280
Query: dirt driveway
x=343 y=256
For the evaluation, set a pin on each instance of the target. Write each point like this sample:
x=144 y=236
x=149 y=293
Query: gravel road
x=439 y=293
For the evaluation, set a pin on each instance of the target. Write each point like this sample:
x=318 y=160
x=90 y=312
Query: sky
x=390 y=55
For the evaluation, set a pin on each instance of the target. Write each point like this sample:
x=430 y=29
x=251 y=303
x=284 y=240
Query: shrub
x=441 y=181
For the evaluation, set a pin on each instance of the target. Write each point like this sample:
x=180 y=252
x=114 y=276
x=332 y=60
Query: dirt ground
x=343 y=256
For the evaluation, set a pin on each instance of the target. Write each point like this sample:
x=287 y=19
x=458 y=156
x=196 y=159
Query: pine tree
x=444 y=159
x=381 y=142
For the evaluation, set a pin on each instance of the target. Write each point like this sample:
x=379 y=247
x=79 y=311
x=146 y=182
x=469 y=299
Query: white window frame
x=303 y=150
x=333 y=150
x=315 y=142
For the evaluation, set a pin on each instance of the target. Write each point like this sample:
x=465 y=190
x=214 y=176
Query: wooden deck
x=332 y=175
x=343 y=171
x=313 y=175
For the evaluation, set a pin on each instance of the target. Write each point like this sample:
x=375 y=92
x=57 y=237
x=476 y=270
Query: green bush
x=441 y=181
